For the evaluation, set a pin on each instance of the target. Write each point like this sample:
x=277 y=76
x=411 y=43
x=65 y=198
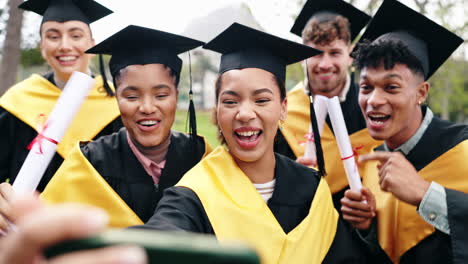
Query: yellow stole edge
x=449 y=170
x=77 y=181
x=297 y=125
x=216 y=194
x=40 y=96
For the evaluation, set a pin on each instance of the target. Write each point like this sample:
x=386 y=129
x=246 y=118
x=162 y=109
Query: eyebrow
x=52 y=30
x=161 y=86
x=392 y=75
x=229 y=92
x=263 y=90
x=75 y=28
x=388 y=76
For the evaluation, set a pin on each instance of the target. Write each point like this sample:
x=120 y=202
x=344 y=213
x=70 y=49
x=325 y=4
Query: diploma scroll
x=45 y=144
x=344 y=144
x=320 y=107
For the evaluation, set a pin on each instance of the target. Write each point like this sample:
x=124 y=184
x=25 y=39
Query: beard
x=336 y=83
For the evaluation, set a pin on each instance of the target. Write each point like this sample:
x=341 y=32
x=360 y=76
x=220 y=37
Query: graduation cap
x=135 y=45
x=429 y=42
x=328 y=9
x=244 y=47
x=86 y=11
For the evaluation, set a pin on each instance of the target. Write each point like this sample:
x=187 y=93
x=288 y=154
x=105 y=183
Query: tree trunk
x=11 y=46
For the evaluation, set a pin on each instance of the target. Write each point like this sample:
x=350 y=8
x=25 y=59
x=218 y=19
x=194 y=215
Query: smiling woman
x=129 y=170
x=249 y=193
x=65 y=36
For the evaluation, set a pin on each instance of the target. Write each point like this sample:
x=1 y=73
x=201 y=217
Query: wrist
x=422 y=192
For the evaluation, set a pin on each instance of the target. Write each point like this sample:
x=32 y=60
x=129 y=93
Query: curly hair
x=386 y=53
x=218 y=84
x=324 y=28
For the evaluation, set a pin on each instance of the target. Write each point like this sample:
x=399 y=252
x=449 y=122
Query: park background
x=204 y=19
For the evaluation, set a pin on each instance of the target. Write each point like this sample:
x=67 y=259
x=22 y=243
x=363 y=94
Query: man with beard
x=330 y=26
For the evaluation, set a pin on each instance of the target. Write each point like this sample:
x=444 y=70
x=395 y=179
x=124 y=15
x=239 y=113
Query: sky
x=275 y=16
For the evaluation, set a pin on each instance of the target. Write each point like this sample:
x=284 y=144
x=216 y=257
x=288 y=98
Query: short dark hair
x=324 y=29
x=117 y=75
x=386 y=53
x=218 y=83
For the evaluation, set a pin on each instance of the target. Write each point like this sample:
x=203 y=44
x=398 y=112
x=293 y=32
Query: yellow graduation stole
x=399 y=225
x=77 y=181
x=237 y=212
x=36 y=96
x=297 y=126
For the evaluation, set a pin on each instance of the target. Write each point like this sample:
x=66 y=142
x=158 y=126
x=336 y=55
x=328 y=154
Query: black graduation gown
x=15 y=136
x=180 y=209
x=440 y=137
x=113 y=159
x=354 y=121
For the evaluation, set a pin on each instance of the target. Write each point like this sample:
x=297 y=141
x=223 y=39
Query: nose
x=325 y=62
x=246 y=113
x=147 y=106
x=65 y=44
x=376 y=98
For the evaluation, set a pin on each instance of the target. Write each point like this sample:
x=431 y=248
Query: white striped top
x=265 y=189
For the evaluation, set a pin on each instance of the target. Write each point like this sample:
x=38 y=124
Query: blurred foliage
x=31 y=57
x=294 y=75
x=205 y=127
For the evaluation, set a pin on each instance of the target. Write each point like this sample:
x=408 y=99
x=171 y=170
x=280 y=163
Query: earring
x=419 y=102
x=280 y=125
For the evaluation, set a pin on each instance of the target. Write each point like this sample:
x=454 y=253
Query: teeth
x=148 y=122
x=378 y=116
x=248 y=133
x=67 y=58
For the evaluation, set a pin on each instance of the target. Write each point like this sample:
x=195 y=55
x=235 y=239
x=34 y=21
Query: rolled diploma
x=342 y=138
x=75 y=92
x=320 y=107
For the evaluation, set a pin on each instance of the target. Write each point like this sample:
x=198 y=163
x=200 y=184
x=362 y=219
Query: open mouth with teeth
x=148 y=125
x=248 y=135
x=378 y=119
x=247 y=138
x=67 y=60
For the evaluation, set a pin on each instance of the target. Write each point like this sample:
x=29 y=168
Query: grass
x=204 y=125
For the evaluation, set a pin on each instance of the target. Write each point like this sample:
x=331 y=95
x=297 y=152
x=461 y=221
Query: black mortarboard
x=86 y=11
x=429 y=42
x=135 y=45
x=323 y=9
x=245 y=47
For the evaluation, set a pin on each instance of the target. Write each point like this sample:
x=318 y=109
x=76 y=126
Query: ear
x=284 y=109
x=423 y=92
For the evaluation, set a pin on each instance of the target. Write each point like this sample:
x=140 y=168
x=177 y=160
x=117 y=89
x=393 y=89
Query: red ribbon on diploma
x=355 y=153
x=42 y=127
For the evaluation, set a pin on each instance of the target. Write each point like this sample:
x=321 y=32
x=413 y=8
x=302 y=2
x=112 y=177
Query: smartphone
x=165 y=247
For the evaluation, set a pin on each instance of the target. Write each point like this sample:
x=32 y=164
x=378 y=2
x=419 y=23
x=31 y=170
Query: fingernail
x=133 y=255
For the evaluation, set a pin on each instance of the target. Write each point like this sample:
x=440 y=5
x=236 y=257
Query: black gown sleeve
x=180 y=209
x=457 y=206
